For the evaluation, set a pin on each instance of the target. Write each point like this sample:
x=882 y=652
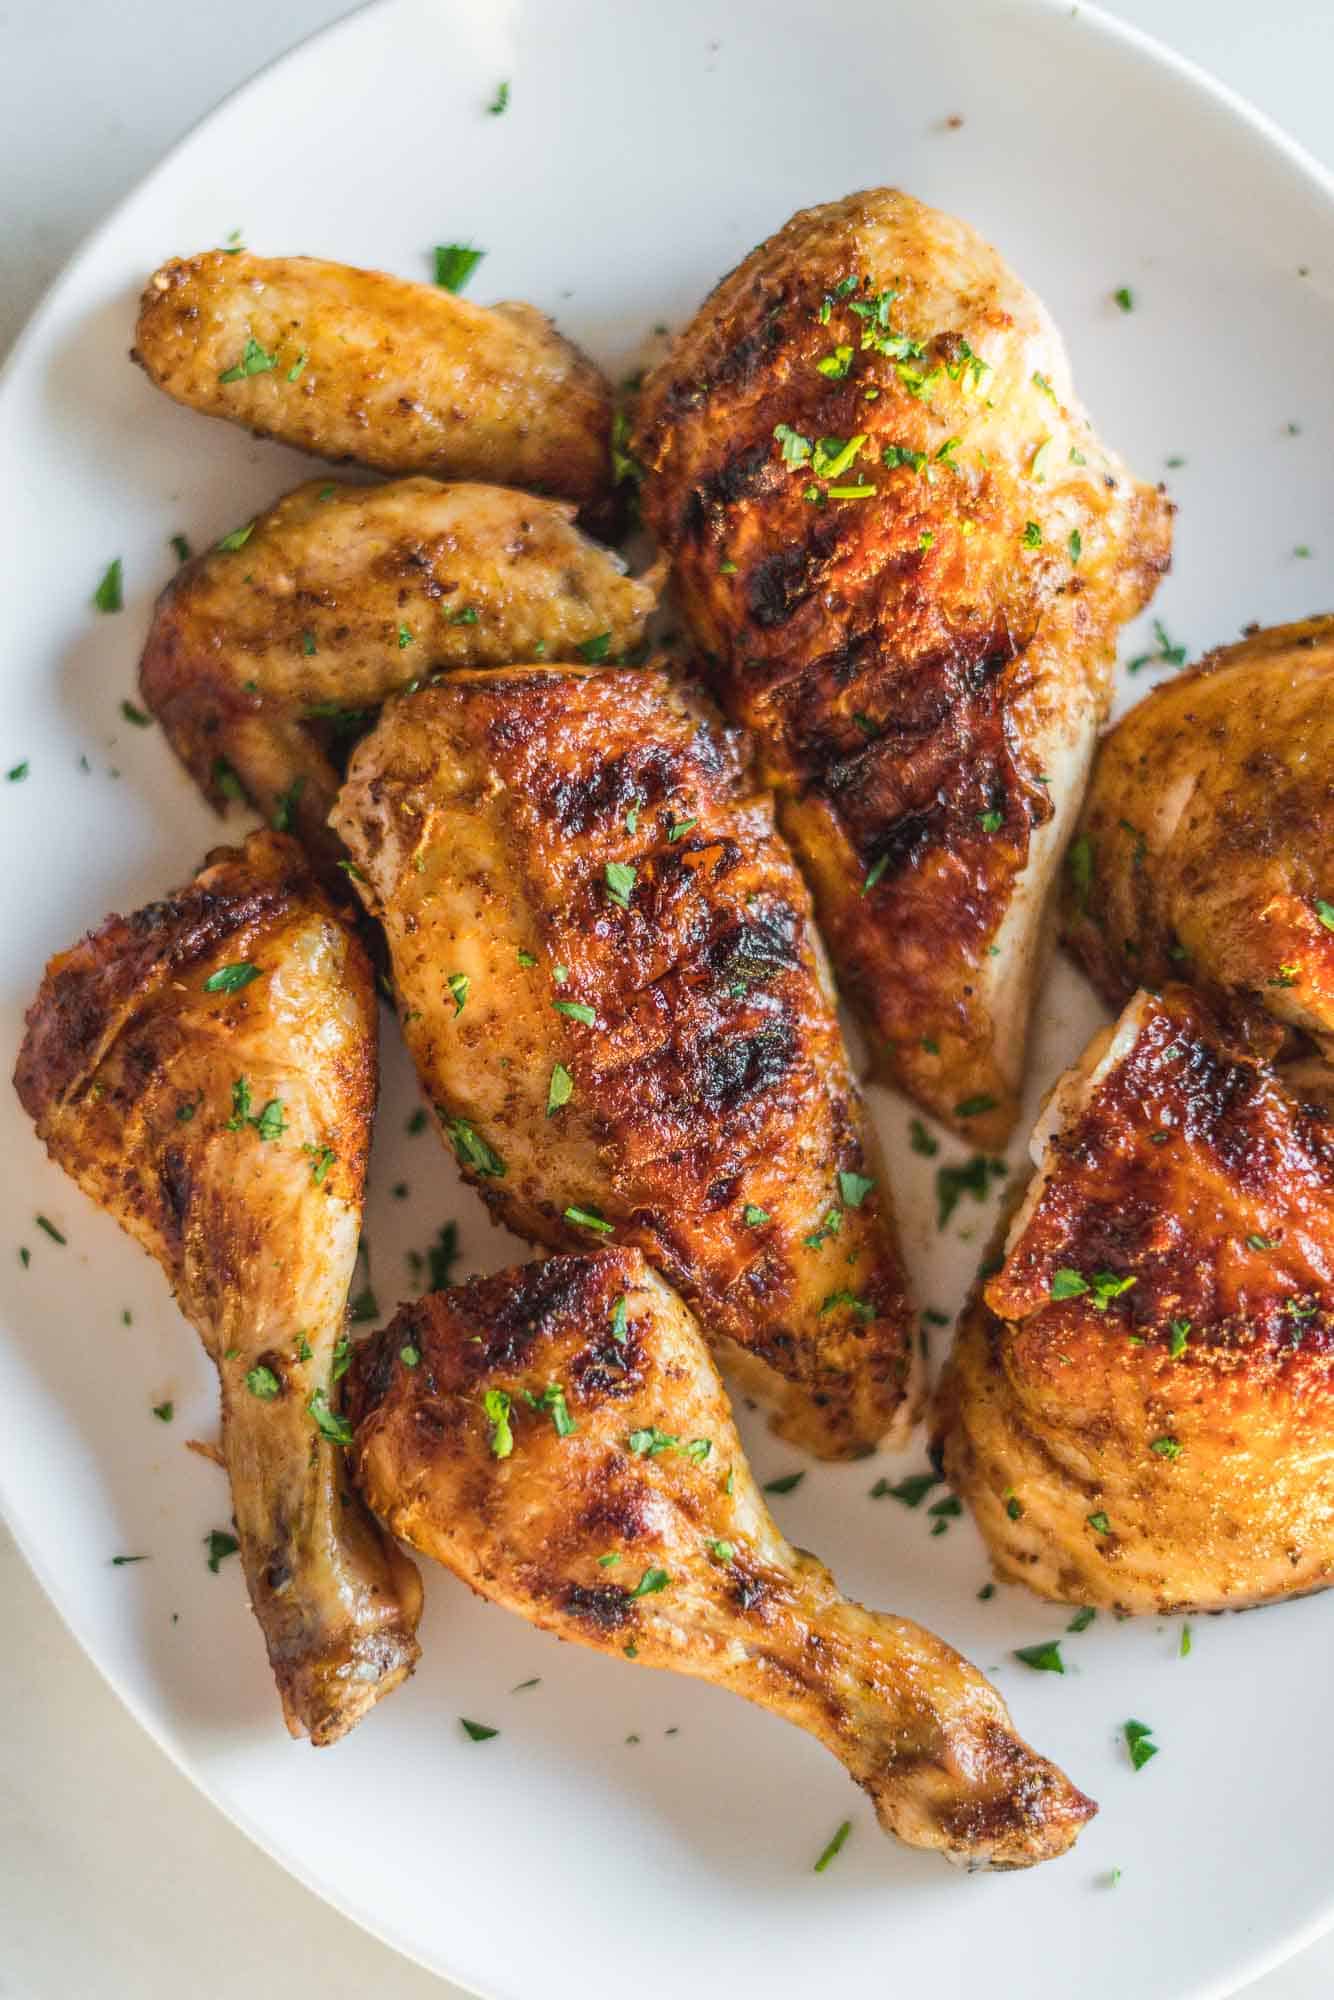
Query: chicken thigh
x=264 y=655
x=1140 y=1404
x=905 y=556
x=613 y=991
x=558 y=1437
x=205 y=1070
x=359 y=365
x=1206 y=848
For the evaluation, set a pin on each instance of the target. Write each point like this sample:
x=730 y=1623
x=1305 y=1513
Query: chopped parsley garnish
x=1082 y=1619
x=404 y=638
x=1075 y=545
x=286 y=805
x=1256 y=1242
x=1325 y=912
x=109 y=595
x=496 y=1404
x=618 y=1319
x=652 y=1581
x=910 y=1492
x=181 y=548
x=455 y=264
x=973 y=1107
x=787 y=1482
x=1125 y=298
x=648 y=1443
x=1180 y=1331
x=500 y=102
x=832 y=1223
x=576 y=1011
x=560 y=1089
x=219 y=1545
x=921 y=1140
x=834 y=1847
x=472 y=1150
x=18 y=772
x=796 y=448
x=1044 y=1659
x=991 y=821
x=458 y=984
x=552 y=1399
x=231 y=978
x=680 y=828
x=855 y=1304
x=836 y=365
x=262 y=1382
x=1168 y=654
x=832 y=456
x=1099 y=1523
x=1014 y=1506
x=862 y=491
x=164 y=1412
x=49 y=1229
x=1032 y=535
x=1137 y=1735
x=525 y=957
x=328 y=1422
x=593 y=651
x=620 y=880
x=972 y=1177
x=1184 y=1648
x=754 y=1216
x=118 y=1562
x=254 y=361
x=895 y=455
x=1167 y=1447
x=321 y=1159
x=587 y=1218
x=854 y=1188
x=874 y=873
x=477 y=1732
x=298 y=367
x=237 y=539
x=409 y=1355
x=136 y=715
x=722 y=1552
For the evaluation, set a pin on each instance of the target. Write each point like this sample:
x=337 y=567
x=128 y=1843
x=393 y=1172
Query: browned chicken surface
x=265 y=656
x=360 y=365
x=611 y=986
x=205 y=1070
x=1206 y=848
x=906 y=556
x=1140 y=1404
x=559 y=1438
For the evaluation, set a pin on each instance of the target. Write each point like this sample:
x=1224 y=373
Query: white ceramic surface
x=558 y=1858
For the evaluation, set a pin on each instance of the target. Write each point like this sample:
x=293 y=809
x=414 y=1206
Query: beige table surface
x=118 y=1881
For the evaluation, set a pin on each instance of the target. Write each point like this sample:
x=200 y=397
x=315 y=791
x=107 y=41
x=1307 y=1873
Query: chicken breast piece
x=205 y=1070
x=612 y=988
x=1206 y=848
x=359 y=365
x=559 y=1438
x=1140 y=1404
x=906 y=556
x=266 y=655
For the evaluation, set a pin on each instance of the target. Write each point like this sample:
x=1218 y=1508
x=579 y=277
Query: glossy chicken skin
x=262 y=657
x=615 y=998
x=906 y=557
x=359 y=365
x=1140 y=1405
x=559 y=1438
x=1206 y=848
x=228 y=1132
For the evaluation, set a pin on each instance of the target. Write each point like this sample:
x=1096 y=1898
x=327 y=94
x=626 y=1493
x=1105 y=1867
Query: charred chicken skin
x=1140 y=1404
x=359 y=365
x=205 y=1070
x=613 y=991
x=263 y=658
x=558 y=1437
x=1206 y=848
x=906 y=557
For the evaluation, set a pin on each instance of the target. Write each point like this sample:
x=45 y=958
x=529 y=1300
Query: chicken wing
x=1204 y=852
x=359 y=365
x=263 y=655
x=559 y=1438
x=1140 y=1404
x=614 y=995
x=906 y=556
x=205 y=1070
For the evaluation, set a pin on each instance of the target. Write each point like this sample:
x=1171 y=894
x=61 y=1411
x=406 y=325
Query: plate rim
x=1089 y=16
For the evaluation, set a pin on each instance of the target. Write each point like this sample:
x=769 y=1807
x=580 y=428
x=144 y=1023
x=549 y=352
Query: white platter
x=645 y=149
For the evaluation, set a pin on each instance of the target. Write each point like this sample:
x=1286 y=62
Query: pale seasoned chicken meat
x=905 y=556
x=264 y=657
x=612 y=988
x=401 y=377
x=1140 y=1404
x=1206 y=848
x=558 y=1437
x=205 y=1070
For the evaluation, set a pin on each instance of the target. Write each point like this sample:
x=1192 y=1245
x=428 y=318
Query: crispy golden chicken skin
x=359 y=365
x=1206 y=848
x=1140 y=1404
x=559 y=1438
x=205 y=1070
x=906 y=556
x=263 y=657
x=615 y=998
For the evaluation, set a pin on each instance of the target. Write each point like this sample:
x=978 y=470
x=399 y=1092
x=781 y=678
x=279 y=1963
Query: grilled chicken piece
x=906 y=556
x=359 y=365
x=616 y=1000
x=262 y=657
x=1204 y=852
x=559 y=1438
x=1140 y=1405
x=224 y=1119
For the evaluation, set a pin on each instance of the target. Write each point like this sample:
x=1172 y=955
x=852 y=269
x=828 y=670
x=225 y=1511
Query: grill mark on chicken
x=702 y=1581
